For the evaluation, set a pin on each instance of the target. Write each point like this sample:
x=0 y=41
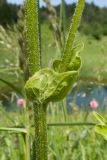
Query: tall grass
x=64 y=142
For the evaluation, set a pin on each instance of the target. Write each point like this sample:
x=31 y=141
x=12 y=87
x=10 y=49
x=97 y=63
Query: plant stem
x=40 y=141
x=27 y=145
x=13 y=130
x=63 y=20
x=71 y=124
x=33 y=35
x=64 y=109
x=66 y=58
x=27 y=133
x=34 y=64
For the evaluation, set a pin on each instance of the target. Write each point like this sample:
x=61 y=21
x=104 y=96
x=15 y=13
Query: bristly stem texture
x=71 y=36
x=34 y=64
x=32 y=35
x=40 y=142
x=47 y=85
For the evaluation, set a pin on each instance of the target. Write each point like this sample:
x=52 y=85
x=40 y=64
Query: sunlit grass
x=64 y=142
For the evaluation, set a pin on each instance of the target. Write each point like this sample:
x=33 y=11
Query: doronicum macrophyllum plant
x=48 y=84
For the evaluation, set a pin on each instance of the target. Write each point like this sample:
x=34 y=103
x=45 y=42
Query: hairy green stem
x=40 y=141
x=33 y=35
x=71 y=36
x=34 y=64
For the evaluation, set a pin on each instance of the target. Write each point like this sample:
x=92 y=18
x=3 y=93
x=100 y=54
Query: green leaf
x=101 y=119
x=101 y=128
x=12 y=86
x=22 y=147
x=52 y=84
x=75 y=63
x=47 y=85
x=13 y=130
x=56 y=64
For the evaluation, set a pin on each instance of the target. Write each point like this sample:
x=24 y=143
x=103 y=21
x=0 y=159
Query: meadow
x=93 y=55
x=75 y=140
x=71 y=131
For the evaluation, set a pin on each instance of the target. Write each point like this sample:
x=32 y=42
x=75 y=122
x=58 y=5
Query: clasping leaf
x=47 y=85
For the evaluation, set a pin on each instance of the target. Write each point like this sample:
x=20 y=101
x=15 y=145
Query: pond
x=82 y=94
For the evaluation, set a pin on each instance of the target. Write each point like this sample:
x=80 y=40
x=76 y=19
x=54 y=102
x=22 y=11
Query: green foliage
x=53 y=83
x=64 y=142
x=101 y=128
x=12 y=147
x=76 y=59
x=96 y=30
x=93 y=24
x=47 y=85
x=8 y=13
x=89 y=20
x=10 y=72
x=12 y=139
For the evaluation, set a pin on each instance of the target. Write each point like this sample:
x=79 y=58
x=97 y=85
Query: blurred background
x=88 y=94
x=92 y=32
